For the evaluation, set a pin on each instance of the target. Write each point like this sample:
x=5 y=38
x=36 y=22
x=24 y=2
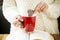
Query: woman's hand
x=41 y=7
x=18 y=22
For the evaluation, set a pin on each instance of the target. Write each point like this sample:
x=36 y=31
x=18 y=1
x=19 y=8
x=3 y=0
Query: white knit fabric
x=11 y=8
x=22 y=35
x=44 y=21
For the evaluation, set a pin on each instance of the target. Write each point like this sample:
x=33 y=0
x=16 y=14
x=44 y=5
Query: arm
x=51 y=11
x=10 y=9
x=53 y=14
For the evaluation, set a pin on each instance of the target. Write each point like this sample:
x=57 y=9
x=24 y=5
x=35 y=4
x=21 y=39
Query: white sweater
x=19 y=35
x=44 y=21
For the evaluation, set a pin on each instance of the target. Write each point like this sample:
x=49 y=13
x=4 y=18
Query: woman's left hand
x=18 y=22
x=41 y=7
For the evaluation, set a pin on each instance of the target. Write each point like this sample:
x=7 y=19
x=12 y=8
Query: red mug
x=29 y=23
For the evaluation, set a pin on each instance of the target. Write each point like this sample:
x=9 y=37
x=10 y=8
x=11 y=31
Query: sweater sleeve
x=10 y=9
x=53 y=11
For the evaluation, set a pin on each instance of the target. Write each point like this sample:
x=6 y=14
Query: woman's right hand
x=41 y=7
x=18 y=22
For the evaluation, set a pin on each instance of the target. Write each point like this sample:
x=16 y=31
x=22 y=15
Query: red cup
x=29 y=23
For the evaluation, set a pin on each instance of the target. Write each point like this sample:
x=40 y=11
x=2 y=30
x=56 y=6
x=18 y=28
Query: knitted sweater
x=44 y=21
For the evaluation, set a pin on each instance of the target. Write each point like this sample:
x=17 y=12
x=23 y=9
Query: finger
x=15 y=22
x=19 y=17
x=42 y=6
x=38 y=6
x=19 y=24
x=45 y=6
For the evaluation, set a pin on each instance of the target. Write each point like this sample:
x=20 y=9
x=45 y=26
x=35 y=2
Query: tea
x=29 y=23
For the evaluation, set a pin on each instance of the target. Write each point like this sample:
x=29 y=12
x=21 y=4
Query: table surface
x=56 y=36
